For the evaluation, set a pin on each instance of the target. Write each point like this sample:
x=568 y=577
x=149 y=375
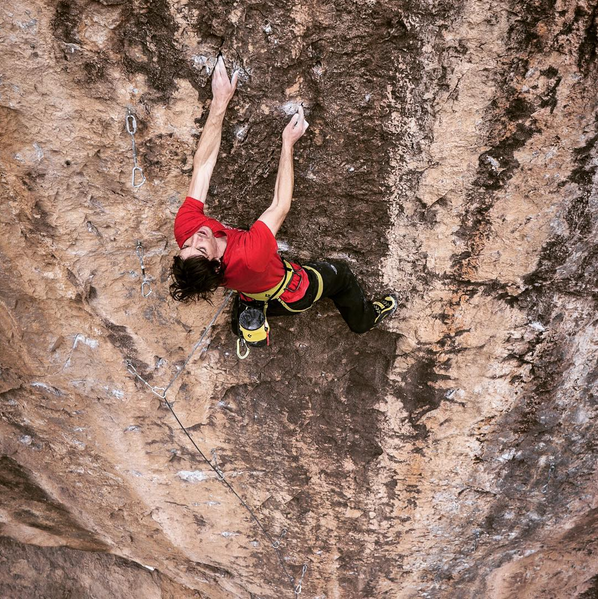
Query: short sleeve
x=259 y=246
x=189 y=219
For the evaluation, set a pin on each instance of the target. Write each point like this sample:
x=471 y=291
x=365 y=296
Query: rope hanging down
x=161 y=393
x=131 y=123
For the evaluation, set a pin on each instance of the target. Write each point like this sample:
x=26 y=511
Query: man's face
x=201 y=243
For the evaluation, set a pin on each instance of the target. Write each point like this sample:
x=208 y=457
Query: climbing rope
x=146 y=287
x=131 y=123
x=161 y=393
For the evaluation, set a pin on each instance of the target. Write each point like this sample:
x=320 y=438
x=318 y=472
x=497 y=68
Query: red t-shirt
x=251 y=261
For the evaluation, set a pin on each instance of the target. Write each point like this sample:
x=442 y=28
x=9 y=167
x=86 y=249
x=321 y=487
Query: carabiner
x=131 y=124
x=276 y=543
x=145 y=284
x=137 y=169
x=241 y=342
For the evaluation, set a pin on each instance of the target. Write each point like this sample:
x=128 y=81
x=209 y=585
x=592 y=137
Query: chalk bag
x=254 y=327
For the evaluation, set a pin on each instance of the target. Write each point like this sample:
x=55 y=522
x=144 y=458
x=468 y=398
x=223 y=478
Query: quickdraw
x=146 y=287
x=137 y=173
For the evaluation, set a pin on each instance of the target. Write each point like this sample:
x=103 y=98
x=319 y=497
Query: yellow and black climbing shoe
x=385 y=307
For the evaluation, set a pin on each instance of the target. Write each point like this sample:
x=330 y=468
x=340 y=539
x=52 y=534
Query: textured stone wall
x=451 y=156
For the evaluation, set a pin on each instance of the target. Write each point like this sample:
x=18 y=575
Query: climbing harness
x=146 y=287
x=253 y=328
x=213 y=464
x=279 y=289
x=137 y=173
x=318 y=294
x=276 y=292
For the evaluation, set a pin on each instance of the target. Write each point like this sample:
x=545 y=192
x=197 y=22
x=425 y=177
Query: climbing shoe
x=385 y=307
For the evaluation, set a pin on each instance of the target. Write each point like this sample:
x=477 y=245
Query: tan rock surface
x=451 y=156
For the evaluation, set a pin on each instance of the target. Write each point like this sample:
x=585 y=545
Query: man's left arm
x=274 y=216
x=206 y=155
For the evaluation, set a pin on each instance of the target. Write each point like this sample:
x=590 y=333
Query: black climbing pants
x=341 y=286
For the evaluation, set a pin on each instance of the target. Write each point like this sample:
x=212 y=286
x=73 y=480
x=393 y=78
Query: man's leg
x=234 y=317
x=343 y=288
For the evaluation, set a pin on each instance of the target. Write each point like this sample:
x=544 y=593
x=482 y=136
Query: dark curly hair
x=194 y=278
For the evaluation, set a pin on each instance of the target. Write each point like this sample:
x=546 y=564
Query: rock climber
x=213 y=255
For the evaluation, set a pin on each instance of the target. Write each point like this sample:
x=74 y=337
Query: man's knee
x=332 y=269
x=360 y=330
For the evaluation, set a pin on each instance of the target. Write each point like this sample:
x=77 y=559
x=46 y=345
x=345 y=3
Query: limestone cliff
x=451 y=157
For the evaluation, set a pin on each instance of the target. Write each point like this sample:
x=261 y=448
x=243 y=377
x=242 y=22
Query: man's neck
x=221 y=244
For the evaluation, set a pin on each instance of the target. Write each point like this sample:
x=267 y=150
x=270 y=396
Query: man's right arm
x=274 y=216
x=206 y=155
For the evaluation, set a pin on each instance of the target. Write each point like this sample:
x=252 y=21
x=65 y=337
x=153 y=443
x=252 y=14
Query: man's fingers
x=220 y=68
x=301 y=119
x=217 y=73
x=296 y=127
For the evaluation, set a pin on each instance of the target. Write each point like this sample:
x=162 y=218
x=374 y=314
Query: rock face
x=451 y=156
x=35 y=572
